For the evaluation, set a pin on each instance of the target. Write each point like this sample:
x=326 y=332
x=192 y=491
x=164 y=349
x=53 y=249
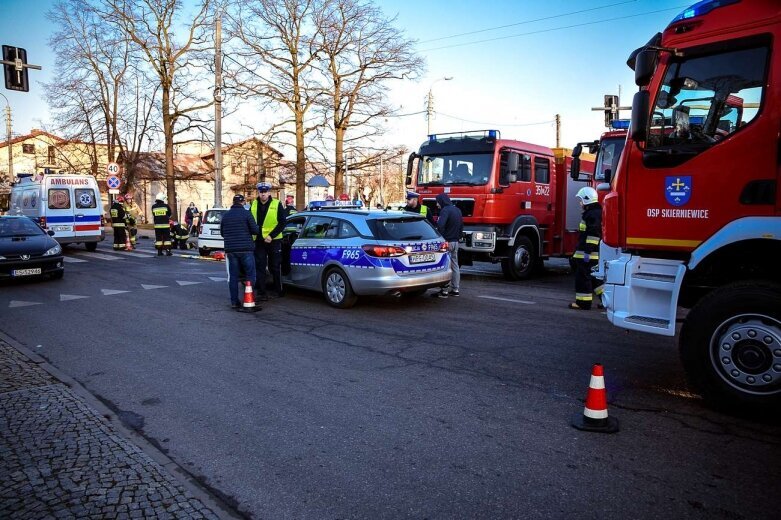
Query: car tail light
x=102 y=221
x=42 y=222
x=443 y=247
x=384 y=251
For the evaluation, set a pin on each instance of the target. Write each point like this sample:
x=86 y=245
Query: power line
x=495 y=124
x=527 y=22
x=556 y=28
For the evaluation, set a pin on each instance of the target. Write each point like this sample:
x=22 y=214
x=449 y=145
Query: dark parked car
x=26 y=250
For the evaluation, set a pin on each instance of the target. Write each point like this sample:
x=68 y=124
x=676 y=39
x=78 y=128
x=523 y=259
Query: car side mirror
x=50 y=233
x=640 y=106
x=577 y=151
x=574 y=169
x=603 y=186
x=645 y=65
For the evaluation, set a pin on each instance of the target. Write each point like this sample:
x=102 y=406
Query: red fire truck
x=517 y=198
x=608 y=150
x=692 y=223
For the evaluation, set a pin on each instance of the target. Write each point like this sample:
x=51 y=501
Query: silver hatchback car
x=350 y=252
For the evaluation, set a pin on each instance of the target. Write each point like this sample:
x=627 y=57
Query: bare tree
x=377 y=175
x=98 y=93
x=151 y=26
x=276 y=51
x=363 y=52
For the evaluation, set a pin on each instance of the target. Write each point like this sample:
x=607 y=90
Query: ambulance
x=68 y=205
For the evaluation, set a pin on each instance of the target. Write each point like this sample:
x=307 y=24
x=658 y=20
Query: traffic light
x=611 y=108
x=15 y=74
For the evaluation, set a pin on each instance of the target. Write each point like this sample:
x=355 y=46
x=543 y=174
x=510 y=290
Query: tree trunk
x=300 y=162
x=339 y=180
x=168 y=130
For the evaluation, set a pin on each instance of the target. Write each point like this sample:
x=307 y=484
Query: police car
x=348 y=251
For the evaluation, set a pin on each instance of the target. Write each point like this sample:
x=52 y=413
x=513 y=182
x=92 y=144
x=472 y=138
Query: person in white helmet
x=161 y=213
x=586 y=254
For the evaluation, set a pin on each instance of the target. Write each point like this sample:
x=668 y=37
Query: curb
x=189 y=481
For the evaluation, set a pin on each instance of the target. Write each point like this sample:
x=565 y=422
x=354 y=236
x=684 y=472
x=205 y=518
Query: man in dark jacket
x=237 y=228
x=450 y=225
x=161 y=215
x=586 y=254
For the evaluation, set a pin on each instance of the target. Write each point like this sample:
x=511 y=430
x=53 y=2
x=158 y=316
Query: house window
x=28 y=149
x=51 y=155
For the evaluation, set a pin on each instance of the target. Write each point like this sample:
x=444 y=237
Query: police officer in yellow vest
x=269 y=214
x=414 y=205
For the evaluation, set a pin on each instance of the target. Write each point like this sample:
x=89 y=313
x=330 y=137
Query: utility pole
x=8 y=136
x=382 y=198
x=218 y=112
x=430 y=102
x=558 y=131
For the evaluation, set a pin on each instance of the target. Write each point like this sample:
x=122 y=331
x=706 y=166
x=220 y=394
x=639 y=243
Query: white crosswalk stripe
x=70 y=259
x=101 y=256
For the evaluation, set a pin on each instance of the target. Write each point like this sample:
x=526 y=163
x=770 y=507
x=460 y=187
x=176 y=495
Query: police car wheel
x=337 y=289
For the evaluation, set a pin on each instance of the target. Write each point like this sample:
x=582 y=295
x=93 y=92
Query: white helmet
x=587 y=195
x=161 y=196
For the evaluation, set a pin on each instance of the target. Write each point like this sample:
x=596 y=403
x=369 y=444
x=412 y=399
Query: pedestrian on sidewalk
x=237 y=228
x=161 y=212
x=450 y=225
x=118 y=223
x=269 y=214
x=586 y=254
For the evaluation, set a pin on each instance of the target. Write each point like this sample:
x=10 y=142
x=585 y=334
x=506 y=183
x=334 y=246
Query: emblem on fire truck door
x=678 y=190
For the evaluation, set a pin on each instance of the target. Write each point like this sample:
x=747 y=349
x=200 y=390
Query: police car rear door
x=309 y=252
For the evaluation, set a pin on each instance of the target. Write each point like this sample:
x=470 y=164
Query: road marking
x=506 y=300
x=217 y=279
x=70 y=259
x=138 y=255
x=18 y=303
x=148 y=287
x=68 y=297
x=180 y=282
x=109 y=292
x=102 y=256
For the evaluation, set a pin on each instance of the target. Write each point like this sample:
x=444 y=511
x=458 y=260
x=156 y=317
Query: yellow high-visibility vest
x=270 y=222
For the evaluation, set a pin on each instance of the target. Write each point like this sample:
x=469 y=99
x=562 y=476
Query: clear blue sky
x=517 y=80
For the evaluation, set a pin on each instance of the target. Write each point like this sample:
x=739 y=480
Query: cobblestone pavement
x=59 y=458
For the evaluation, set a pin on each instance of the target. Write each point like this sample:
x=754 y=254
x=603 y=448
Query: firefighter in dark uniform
x=269 y=214
x=118 y=217
x=161 y=214
x=414 y=205
x=586 y=255
x=181 y=234
x=290 y=208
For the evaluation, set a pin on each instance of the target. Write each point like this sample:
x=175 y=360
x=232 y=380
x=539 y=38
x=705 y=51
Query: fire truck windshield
x=455 y=169
x=610 y=149
x=706 y=98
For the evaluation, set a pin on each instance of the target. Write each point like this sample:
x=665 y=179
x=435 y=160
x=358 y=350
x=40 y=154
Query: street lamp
x=8 y=133
x=430 y=101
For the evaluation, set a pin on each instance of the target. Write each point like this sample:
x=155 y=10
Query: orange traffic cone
x=249 y=298
x=594 y=417
x=218 y=255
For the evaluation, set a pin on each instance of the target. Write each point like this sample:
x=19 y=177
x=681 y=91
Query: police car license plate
x=215 y=231
x=26 y=272
x=421 y=259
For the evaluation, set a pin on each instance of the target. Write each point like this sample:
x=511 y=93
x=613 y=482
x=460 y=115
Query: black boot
x=168 y=252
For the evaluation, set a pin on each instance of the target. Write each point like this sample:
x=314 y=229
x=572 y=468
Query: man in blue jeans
x=237 y=228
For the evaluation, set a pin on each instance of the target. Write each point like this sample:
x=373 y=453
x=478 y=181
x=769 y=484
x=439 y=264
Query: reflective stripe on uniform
x=582 y=225
x=584 y=297
x=424 y=210
x=158 y=244
x=166 y=243
x=599 y=290
x=578 y=254
x=162 y=226
x=592 y=240
x=118 y=225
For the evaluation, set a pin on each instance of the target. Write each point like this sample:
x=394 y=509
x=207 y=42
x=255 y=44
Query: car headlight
x=2 y=257
x=56 y=250
x=483 y=235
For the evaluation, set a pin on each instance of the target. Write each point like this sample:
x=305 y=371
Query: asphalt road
x=396 y=408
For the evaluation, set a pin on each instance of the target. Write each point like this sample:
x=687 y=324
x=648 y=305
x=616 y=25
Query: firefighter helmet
x=160 y=196
x=587 y=195
x=119 y=198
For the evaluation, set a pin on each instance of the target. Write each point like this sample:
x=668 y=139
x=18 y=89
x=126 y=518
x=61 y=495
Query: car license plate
x=26 y=272
x=215 y=231
x=421 y=259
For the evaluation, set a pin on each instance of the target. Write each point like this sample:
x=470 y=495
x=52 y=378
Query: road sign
x=113 y=182
x=113 y=192
x=112 y=168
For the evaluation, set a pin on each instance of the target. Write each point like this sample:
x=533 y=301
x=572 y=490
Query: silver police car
x=346 y=252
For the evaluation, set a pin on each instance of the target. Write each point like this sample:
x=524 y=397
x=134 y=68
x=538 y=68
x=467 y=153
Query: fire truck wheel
x=730 y=346
x=521 y=262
